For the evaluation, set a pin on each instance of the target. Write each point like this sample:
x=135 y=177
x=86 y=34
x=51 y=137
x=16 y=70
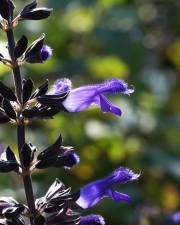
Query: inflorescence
x=60 y=205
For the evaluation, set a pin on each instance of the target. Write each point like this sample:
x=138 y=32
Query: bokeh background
x=93 y=40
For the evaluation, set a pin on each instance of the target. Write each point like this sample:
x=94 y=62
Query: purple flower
x=37 y=52
x=39 y=55
x=46 y=52
x=92 y=219
x=92 y=193
x=68 y=160
x=81 y=98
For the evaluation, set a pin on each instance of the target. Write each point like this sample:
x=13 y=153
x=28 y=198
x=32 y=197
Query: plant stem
x=21 y=127
x=16 y=70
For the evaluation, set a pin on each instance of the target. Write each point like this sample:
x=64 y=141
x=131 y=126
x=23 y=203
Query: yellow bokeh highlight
x=110 y=3
x=174 y=105
x=103 y=67
x=173 y=52
x=133 y=145
x=116 y=152
x=148 y=101
x=4 y=69
x=84 y=171
x=170 y=198
x=79 y=20
x=90 y=153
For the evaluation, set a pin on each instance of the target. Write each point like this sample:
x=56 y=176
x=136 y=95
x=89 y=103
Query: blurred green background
x=93 y=40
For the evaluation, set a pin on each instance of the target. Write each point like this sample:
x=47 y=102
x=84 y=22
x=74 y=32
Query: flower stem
x=16 y=70
x=21 y=127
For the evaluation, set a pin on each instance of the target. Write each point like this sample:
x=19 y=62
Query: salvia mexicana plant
x=59 y=206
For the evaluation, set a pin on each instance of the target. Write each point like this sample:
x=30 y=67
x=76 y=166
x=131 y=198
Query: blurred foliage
x=139 y=41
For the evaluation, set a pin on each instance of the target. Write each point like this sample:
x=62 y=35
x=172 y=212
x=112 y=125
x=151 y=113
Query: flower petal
x=68 y=160
x=92 y=220
x=60 y=86
x=118 y=196
x=46 y=52
x=115 y=86
x=123 y=175
x=107 y=106
x=89 y=196
x=80 y=99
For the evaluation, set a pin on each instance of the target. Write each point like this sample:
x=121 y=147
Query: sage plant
x=60 y=205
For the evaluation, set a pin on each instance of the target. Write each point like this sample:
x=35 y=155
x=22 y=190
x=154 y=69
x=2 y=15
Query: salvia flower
x=92 y=220
x=81 y=98
x=40 y=55
x=57 y=155
x=67 y=160
x=92 y=193
x=37 y=52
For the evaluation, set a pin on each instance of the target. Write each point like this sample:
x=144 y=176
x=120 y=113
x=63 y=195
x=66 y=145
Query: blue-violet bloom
x=92 y=193
x=92 y=219
x=81 y=98
x=38 y=55
x=46 y=52
x=68 y=160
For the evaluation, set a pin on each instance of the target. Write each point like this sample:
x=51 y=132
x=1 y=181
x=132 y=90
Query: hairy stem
x=21 y=127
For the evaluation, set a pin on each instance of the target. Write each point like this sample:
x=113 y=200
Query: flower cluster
x=60 y=205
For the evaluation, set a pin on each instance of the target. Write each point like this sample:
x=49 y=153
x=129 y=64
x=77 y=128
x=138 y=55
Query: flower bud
x=37 y=52
x=46 y=52
x=40 y=56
